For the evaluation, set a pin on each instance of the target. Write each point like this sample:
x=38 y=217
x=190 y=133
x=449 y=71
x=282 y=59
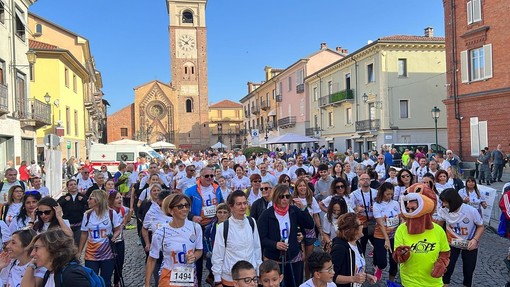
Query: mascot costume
x=421 y=246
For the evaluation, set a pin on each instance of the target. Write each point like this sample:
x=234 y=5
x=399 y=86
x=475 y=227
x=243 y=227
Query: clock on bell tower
x=188 y=64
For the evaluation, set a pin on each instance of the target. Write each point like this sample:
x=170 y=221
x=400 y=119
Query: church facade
x=176 y=112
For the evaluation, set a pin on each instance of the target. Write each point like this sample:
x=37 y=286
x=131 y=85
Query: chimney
x=344 y=51
x=250 y=87
x=338 y=49
x=429 y=32
x=323 y=46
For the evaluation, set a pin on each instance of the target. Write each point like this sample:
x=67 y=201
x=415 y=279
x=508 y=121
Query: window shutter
x=487 y=53
x=469 y=12
x=475 y=137
x=482 y=134
x=464 y=71
x=477 y=10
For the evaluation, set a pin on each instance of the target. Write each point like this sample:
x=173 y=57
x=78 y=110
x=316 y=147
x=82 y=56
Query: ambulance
x=112 y=155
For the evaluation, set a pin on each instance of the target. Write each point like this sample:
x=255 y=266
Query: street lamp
x=230 y=137
x=268 y=128
x=435 y=115
x=47 y=98
x=220 y=129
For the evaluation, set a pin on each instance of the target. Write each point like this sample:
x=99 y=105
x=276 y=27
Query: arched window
x=189 y=105
x=38 y=29
x=189 y=71
x=187 y=17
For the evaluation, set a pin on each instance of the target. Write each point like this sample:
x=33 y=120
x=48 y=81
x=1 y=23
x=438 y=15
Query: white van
x=112 y=155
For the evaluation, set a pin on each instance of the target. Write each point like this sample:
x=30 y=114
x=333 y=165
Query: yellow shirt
x=425 y=249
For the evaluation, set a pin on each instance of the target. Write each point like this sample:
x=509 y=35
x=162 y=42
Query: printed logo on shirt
x=465 y=220
x=462 y=231
x=285 y=231
x=180 y=257
x=423 y=246
x=192 y=238
x=211 y=201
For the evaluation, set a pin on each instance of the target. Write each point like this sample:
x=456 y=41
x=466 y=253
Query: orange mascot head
x=418 y=204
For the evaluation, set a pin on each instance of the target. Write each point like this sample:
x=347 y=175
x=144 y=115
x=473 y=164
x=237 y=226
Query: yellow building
x=225 y=120
x=66 y=78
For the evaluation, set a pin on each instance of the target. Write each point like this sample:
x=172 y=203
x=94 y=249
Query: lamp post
x=435 y=115
x=268 y=129
x=220 y=129
x=230 y=137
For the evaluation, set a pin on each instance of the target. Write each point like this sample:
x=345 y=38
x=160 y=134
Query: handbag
x=371 y=223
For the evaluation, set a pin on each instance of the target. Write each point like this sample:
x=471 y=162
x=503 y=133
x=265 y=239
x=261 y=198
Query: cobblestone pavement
x=490 y=269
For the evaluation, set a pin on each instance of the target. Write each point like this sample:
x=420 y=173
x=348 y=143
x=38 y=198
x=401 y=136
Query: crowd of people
x=297 y=219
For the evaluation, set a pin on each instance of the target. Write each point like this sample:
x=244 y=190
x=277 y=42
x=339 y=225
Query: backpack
x=93 y=278
x=110 y=213
x=226 y=224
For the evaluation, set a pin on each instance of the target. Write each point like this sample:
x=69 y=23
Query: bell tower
x=188 y=61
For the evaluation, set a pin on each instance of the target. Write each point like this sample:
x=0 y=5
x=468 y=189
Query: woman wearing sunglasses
x=280 y=169
x=404 y=179
x=181 y=243
x=339 y=187
x=115 y=203
x=13 y=205
x=16 y=260
x=278 y=229
x=26 y=216
x=285 y=179
x=49 y=216
x=100 y=225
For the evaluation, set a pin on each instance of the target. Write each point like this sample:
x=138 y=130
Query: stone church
x=176 y=112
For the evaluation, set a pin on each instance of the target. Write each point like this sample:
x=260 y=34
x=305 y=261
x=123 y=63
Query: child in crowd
x=244 y=274
x=270 y=274
x=392 y=172
x=321 y=269
x=222 y=214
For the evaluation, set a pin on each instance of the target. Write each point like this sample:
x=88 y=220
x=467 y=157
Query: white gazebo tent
x=218 y=145
x=163 y=145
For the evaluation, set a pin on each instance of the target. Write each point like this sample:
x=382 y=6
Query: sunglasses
x=191 y=170
x=285 y=180
x=182 y=206
x=282 y=196
x=31 y=192
x=265 y=188
x=405 y=176
x=257 y=181
x=339 y=187
x=41 y=212
x=208 y=175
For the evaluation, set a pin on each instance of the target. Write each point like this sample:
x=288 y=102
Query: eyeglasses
x=340 y=187
x=191 y=170
x=265 y=188
x=328 y=270
x=182 y=206
x=45 y=212
x=282 y=196
x=208 y=175
x=31 y=192
x=248 y=280
x=18 y=190
x=380 y=158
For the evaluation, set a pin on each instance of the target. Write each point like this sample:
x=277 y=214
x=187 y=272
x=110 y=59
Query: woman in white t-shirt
x=99 y=225
x=49 y=216
x=305 y=195
x=442 y=180
x=471 y=195
x=16 y=260
x=115 y=203
x=240 y=181
x=13 y=204
x=26 y=216
x=225 y=190
x=464 y=227
x=339 y=187
x=387 y=216
x=180 y=242
x=337 y=206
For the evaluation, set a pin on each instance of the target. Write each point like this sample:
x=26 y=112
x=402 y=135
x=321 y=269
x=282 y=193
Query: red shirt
x=23 y=173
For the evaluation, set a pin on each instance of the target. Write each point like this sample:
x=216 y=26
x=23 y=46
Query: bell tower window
x=187 y=17
x=189 y=105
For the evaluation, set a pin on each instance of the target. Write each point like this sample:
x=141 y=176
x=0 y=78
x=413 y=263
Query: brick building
x=478 y=78
x=120 y=125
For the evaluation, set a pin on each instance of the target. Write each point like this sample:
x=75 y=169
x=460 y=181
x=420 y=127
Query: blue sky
x=129 y=39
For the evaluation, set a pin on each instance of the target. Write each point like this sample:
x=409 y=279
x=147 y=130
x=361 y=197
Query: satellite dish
x=51 y=140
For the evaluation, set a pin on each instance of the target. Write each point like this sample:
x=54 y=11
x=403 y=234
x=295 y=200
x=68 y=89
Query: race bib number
x=392 y=221
x=209 y=211
x=357 y=284
x=182 y=276
x=459 y=243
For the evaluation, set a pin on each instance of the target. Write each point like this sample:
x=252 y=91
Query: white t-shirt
x=358 y=196
x=252 y=171
x=155 y=218
x=51 y=281
x=420 y=172
x=360 y=260
x=309 y=283
x=13 y=273
x=17 y=224
x=474 y=201
x=240 y=183
x=389 y=212
x=47 y=225
x=98 y=229
x=284 y=224
x=269 y=178
x=44 y=191
x=176 y=243
x=252 y=197
x=83 y=184
x=314 y=208
x=13 y=211
x=461 y=224
x=330 y=228
x=381 y=171
x=348 y=200
x=393 y=181
x=123 y=212
x=440 y=187
x=186 y=182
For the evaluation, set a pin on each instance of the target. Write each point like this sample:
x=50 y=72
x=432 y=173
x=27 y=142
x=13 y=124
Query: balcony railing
x=300 y=88
x=246 y=113
x=336 y=98
x=368 y=125
x=255 y=110
x=310 y=132
x=4 y=103
x=278 y=98
x=287 y=122
x=225 y=119
x=34 y=113
x=265 y=105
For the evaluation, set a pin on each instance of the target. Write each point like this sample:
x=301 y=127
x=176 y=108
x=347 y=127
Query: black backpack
x=226 y=224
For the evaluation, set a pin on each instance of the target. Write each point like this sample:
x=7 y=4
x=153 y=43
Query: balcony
x=300 y=88
x=225 y=119
x=310 y=132
x=287 y=122
x=4 y=103
x=337 y=98
x=255 y=110
x=246 y=113
x=265 y=105
x=278 y=98
x=368 y=125
x=33 y=113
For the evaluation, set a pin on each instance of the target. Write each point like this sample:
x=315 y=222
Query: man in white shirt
x=226 y=171
x=37 y=185
x=267 y=177
x=421 y=170
x=380 y=168
x=443 y=164
x=83 y=180
x=299 y=164
x=240 y=158
x=186 y=181
x=199 y=165
x=366 y=160
x=364 y=198
x=243 y=242
x=153 y=169
x=10 y=180
x=252 y=167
